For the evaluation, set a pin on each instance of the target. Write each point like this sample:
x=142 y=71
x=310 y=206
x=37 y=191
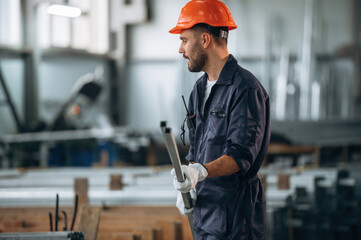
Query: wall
x=158 y=75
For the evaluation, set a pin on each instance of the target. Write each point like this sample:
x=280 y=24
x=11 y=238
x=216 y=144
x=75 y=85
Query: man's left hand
x=180 y=204
x=193 y=173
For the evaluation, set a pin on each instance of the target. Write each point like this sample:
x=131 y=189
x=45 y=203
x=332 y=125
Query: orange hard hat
x=211 y=12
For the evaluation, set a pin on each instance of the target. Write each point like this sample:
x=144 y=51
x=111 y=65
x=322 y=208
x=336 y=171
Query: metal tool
x=174 y=156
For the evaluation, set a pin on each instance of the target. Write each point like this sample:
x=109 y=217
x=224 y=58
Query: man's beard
x=198 y=60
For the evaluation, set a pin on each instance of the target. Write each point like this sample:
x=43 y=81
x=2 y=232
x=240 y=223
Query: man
x=230 y=112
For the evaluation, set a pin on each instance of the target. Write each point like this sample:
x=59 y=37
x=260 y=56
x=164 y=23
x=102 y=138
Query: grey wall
x=158 y=76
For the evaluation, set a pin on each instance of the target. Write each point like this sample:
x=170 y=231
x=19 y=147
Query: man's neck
x=215 y=65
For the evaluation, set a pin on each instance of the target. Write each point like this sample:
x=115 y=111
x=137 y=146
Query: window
x=10 y=23
x=89 y=31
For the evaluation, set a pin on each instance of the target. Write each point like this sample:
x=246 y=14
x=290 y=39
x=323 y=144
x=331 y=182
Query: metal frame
x=29 y=53
x=10 y=102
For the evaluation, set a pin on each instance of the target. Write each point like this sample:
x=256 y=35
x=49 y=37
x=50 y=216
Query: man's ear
x=205 y=40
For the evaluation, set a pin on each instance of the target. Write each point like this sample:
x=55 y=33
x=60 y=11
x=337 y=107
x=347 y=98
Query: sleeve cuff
x=242 y=159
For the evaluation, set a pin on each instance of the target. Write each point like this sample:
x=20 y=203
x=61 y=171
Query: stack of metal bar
x=331 y=212
x=314 y=198
x=142 y=186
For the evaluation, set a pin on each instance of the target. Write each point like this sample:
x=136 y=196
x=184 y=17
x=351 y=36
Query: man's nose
x=180 y=50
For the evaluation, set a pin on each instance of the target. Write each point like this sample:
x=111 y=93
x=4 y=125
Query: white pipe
x=306 y=61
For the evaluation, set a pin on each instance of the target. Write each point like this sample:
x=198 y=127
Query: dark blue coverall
x=236 y=122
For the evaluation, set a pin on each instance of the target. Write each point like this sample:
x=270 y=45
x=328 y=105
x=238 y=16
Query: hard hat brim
x=177 y=29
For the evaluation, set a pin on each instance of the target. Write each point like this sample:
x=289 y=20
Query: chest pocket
x=217 y=125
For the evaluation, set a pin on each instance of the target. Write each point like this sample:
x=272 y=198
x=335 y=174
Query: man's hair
x=214 y=31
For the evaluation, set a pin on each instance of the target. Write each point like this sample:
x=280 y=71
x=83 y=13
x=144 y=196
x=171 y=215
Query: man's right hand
x=180 y=203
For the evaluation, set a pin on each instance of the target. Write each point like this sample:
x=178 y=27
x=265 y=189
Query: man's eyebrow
x=183 y=38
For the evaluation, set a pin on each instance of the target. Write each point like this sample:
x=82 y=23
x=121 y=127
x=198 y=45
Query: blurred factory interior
x=82 y=96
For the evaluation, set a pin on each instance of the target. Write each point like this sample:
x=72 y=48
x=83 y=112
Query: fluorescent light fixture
x=64 y=11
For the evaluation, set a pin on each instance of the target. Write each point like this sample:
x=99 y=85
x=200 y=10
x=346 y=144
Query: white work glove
x=193 y=173
x=180 y=203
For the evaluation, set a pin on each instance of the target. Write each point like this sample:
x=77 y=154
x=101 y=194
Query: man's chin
x=194 y=70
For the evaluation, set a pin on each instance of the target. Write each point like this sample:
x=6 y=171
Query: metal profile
x=43 y=236
x=174 y=156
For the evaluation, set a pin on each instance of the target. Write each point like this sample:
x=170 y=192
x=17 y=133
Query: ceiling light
x=64 y=11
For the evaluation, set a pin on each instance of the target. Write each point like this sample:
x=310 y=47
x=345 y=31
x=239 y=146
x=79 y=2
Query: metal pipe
x=305 y=78
x=43 y=236
x=174 y=156
x=65 y=221
x=75 y=212
x=56 y=212
x=51 y=221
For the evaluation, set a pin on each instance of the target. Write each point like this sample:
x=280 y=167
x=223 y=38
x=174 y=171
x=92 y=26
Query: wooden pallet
x=120 y=222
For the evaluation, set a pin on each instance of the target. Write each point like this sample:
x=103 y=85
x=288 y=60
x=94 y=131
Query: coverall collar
x=226 y=75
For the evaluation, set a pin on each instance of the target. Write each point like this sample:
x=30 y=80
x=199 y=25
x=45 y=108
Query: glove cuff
x=205 y=167
x=202 y=172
